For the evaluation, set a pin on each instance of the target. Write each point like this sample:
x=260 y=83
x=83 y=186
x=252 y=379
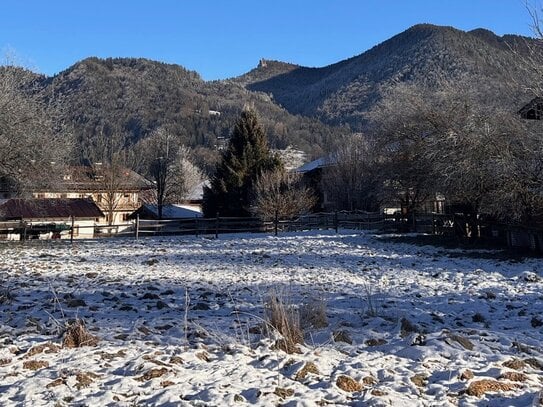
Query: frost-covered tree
x=168 y=165
x=280 y=194
x=32 y=144
x=246 y=157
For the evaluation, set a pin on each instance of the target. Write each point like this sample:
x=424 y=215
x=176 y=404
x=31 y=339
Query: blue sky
x=221 y=39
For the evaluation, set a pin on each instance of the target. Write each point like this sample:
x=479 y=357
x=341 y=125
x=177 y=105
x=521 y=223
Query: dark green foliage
x=246 y=157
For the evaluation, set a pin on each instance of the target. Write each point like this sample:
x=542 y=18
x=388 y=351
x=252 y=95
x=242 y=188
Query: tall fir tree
x=246 y=157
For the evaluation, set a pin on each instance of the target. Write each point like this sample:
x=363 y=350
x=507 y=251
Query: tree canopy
x=246 y=157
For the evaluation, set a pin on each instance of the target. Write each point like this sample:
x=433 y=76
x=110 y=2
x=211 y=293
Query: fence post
x=24 y=233
x=72 y=230
x=433 y=224
x=217 y=226
x=275 y=222
x=196 y=227
x=336 y=221
x=137 y=227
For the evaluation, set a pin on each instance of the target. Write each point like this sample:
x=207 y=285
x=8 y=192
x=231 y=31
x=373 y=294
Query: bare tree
x=31 y=142
x=168 y=164
x=405 y=124
x=351 y=179
x=279 y=194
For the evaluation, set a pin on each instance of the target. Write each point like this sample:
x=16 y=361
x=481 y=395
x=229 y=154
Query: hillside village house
x=117 y=192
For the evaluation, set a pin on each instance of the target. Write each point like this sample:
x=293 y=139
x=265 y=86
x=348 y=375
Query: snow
x=175 y=211
x=313 y=165
x=425 y=311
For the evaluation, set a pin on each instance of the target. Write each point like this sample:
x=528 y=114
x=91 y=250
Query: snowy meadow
x=188 y=321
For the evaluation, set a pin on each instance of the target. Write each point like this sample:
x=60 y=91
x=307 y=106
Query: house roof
x=315 y=164
x=49 y=208
x=533 y=110
x=99 y=177
x=168 y=212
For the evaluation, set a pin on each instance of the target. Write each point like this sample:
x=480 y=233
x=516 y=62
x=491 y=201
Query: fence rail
x=516 y=237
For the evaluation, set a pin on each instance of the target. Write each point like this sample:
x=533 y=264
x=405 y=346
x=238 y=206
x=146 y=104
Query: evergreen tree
x=246 y=157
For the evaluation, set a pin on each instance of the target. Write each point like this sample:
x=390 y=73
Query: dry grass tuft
x=481 y=387
x=515 y=364
x=84 y=379
x=347 y=383
x=466 y=375
x=55 y=383
x=313 y=314
x=283 y=393
x=166 y=383
x=152 y=374
x=5 y=361
x=35 y=364
x=419 y=380
x=375 y=342
x=77 y=335
x=285 y=320
x=48 y=347
x=514 y=376
x=6 y=296
x=309 y=368
x=203 y=356
x=534 y=363
x=342 y=336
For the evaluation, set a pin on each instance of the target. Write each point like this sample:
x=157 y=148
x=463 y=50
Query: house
x=312 y=175
x=117 y=191
x=50 y=217
x=169 y=212
x=532 y=110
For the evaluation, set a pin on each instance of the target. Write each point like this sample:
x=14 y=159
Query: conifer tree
x=246 y=157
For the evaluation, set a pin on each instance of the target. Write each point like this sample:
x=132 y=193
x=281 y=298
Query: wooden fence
x=515 y=237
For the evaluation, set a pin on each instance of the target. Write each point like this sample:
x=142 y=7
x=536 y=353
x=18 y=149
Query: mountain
x=299 y=106
x=424 y=54
x=136 y=96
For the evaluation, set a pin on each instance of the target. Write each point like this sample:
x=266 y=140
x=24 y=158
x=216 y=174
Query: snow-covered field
x=178 y=321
